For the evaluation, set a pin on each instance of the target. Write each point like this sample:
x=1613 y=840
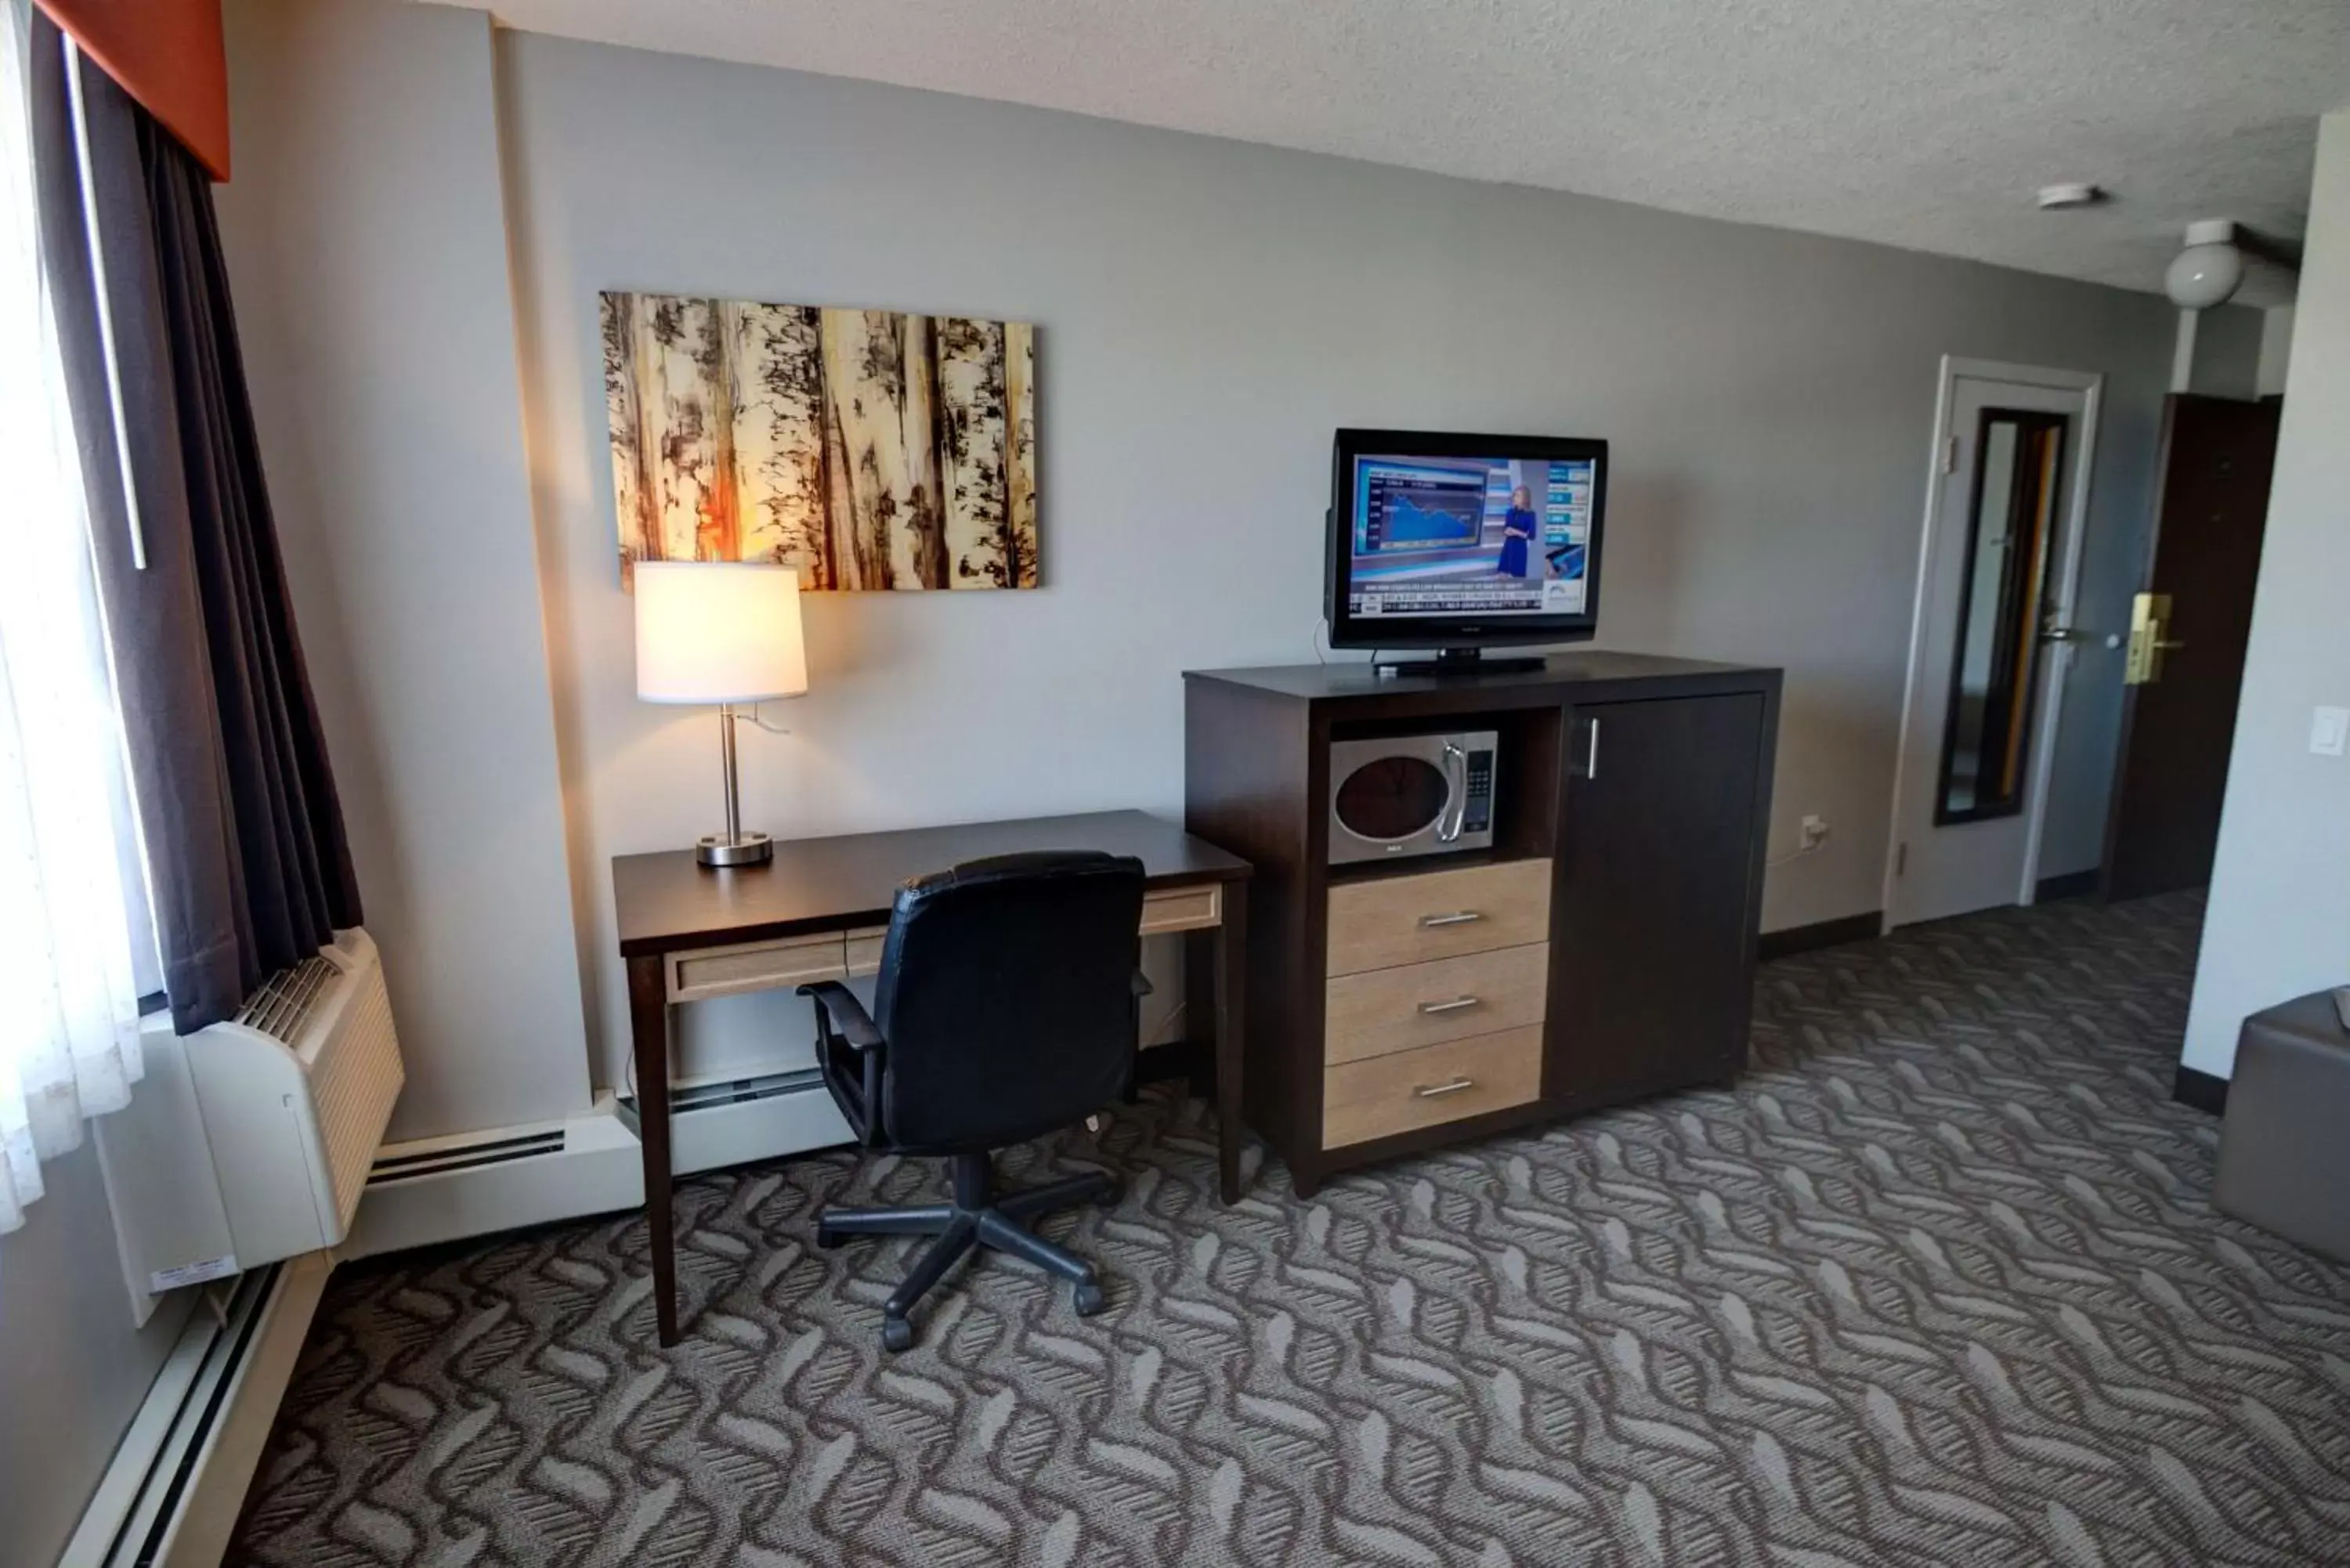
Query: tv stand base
x=1460 y=661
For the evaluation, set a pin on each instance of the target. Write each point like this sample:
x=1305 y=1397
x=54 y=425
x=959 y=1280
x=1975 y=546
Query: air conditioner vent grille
x=281 y=1009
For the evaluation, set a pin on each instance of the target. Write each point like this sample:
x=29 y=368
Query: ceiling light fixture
x=2208 y=273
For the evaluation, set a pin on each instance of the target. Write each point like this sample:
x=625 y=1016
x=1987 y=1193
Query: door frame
x=2061 y=599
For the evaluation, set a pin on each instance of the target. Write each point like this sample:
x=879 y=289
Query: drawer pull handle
x=1460 y=918
x=1436 y=1091
x=1455 y=1005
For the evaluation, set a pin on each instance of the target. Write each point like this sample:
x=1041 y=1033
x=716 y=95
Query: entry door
x=2189 y=628
x=1987 y=652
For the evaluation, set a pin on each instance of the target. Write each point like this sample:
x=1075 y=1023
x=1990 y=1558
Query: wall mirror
x=2018 y=478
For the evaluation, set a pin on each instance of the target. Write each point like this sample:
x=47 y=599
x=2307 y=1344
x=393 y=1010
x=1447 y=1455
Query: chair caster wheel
x=827 y=1238
x=896 y=1333
x=1089 y=1299
x=1110 y=1197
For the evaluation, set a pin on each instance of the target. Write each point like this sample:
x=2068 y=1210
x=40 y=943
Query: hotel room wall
x=2279 y=921
x=366 y=242
x=1209 y=311
x=73 y=1364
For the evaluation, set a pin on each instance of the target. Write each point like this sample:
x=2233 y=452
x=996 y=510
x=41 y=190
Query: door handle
x=2150 y=618
x=1456 y=795
x=1455 y=1005
x=1590 y=768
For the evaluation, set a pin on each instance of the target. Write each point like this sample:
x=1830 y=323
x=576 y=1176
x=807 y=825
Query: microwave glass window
x=1392 y=798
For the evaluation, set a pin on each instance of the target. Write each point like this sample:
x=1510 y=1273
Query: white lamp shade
x=711 y=631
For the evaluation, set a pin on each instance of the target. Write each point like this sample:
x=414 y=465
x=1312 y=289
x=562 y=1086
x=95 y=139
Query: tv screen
x=1458 y=540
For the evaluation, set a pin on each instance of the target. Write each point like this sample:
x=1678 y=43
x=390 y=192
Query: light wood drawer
x=1182 y=910
x=1175 y=909
x=754 y=966
x=1382 y=1011
x=1393 y=920
x=1460 y=1078
x=864 y=950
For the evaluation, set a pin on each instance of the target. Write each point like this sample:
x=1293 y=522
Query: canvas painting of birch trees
x=871 y=449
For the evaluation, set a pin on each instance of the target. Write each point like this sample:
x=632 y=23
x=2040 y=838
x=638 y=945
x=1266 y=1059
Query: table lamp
x=710 y=632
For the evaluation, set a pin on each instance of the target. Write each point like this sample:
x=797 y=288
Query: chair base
x=977 y=1217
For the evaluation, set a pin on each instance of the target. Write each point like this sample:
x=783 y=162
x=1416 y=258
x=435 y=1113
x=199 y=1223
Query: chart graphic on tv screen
x=1453 y=537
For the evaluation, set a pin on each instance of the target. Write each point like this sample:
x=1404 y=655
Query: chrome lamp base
x=736 y=849
x=734 y=846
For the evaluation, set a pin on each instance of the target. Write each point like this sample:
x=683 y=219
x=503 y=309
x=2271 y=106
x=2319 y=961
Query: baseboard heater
x=172 y=1495
x=695 y=1098
x=496 y=1148
x=452 y=1188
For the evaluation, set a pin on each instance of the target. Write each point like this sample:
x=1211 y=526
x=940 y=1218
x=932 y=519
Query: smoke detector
x=2056 y=197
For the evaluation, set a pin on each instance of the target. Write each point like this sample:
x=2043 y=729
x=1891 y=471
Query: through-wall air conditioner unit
x=250 y=1141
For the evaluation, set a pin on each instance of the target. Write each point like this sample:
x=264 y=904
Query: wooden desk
x=818 y=912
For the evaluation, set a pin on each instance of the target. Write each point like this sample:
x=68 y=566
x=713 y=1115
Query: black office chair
x=1006 y=1009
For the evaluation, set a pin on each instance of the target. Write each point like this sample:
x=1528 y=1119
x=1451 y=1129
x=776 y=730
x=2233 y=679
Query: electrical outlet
x=1814 y=832
x=2328 y=728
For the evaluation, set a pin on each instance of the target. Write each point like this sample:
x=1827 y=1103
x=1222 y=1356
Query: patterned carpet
x=1938 y=1282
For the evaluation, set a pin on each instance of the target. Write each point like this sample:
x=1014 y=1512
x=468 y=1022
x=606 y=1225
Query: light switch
x=2328 y=728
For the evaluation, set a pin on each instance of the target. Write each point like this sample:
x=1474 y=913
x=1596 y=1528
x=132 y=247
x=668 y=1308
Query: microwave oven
x=1411 y=795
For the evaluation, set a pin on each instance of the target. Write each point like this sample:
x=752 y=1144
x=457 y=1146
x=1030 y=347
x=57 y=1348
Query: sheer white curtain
x=68 y=1007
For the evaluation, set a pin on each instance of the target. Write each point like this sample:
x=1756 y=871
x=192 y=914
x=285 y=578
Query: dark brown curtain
x=244 y=836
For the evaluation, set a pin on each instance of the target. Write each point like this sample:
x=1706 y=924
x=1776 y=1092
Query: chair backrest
x=1006 y=995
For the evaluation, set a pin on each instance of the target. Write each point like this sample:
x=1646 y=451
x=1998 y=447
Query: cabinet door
x=1652 y=966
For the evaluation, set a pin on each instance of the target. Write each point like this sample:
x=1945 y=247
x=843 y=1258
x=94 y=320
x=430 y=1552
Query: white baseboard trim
x=172 y=1495
x=433 y=1190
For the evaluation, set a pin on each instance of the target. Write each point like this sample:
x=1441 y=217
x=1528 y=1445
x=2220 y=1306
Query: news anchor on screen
x=1517 y=534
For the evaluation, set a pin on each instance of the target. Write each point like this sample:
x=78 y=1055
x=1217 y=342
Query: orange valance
x=167 y=55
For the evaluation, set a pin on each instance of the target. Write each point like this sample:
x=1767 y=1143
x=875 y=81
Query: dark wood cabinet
x=1600 y=950
x=1652 y=930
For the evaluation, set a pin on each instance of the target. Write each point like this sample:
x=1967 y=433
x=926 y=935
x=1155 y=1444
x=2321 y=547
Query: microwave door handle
x=1456 y=795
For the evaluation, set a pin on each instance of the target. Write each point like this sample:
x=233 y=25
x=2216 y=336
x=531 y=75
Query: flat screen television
x=1462 y=543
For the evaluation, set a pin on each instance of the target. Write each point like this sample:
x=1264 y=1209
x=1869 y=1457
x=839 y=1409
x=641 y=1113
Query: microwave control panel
x=1477 y=808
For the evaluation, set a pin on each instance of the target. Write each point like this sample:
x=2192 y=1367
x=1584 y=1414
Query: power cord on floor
x=1166 y=1028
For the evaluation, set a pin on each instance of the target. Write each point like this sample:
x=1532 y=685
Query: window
x=69 y=987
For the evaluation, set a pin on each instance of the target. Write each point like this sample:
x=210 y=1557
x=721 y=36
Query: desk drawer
x=1396 y=920
x=1174 y=909
x=1182 y=910
x=754 y=966
x=1383 y=1010
x=1395 y=1093
x=864 y=951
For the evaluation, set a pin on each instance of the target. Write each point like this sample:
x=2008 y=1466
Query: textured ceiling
x=1922 y=123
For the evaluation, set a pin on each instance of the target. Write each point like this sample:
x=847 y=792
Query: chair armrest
x=838 y=1010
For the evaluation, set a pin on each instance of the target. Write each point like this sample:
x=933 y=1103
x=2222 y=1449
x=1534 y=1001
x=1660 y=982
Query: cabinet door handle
x=1437 y=1091
x=1455 y=1005
x=1458 y=918
x=1591 y=755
